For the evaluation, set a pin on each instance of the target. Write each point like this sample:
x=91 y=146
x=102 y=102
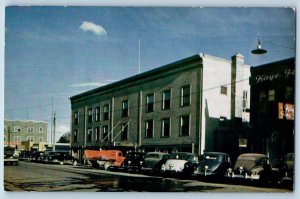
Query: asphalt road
x=46 y=178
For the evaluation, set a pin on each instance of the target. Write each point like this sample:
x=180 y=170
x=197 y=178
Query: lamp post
x=259 y=50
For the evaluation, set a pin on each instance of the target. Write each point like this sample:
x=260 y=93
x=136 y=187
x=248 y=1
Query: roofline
x=34 y=121
x=141 y=76
x=275 y=62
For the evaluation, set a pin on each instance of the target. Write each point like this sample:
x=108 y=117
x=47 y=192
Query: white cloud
x=94 y=28
x=62 y=129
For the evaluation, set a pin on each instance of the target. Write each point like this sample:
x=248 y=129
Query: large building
x=17 y=131
x=273 y=109
x=176 y=107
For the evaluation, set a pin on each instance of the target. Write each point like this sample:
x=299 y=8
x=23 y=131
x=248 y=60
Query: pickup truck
x=104 y=158
x=10 y=157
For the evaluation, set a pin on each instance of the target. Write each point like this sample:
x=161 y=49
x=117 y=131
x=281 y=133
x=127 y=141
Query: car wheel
x=107 y=165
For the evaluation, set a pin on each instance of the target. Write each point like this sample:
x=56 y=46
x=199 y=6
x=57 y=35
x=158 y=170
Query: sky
x=53 y=53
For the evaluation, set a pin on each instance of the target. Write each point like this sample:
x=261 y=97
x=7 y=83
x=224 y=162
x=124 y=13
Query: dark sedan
x=213 y=164
x=134 y=161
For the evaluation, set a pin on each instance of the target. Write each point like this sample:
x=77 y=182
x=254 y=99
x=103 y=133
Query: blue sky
x=57 y=52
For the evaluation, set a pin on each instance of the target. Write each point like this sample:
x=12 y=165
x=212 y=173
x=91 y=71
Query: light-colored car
x=153 y=161
x=180 y=163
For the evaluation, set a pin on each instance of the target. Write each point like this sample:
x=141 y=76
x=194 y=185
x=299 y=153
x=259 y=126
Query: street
x=44 y=177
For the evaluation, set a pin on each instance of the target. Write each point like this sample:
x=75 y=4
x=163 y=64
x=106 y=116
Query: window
x=262 y=103
x=41 y=130
x=149 y=128
x=124 y=131
x=97 y=114
x=125 y=108
x=30 y=129
x=185 y=125
x=106 y=112
x=17 y=139
x=17 y=129
x=75 y=135
x=90 y=115
x=289 y=94
x=76 y=118
x=41 y=139
x=166 y=100
x=271 y=96
x=165 y=127
x=245 y=99
x=89 y=134
x=185 y=95
x=223 y=90
x=150 y=102
x=97 y=133
x=105 y=133
x=30 y=138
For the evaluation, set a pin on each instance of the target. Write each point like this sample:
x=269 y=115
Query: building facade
x=17 y=131
x=273 y=108
x=176 y=107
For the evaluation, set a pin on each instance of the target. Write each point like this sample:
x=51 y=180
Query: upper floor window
x=166 y=100
x=30 y=138
x=165 y=127
x=185 y=125
x=41 y=130
x=105 y=135
x=271 y=95
x=124 y=131
x=245 y=99
x=17 y=129
x=75 y=134
x=106 y=112
x=262 y=103
x=41 y=139
x=149 y=128
x=97 y=114
x=89 y=134
x=30 y=129
x=185 y=95
x=76 y=118
x=125 y=108
x=150 y=102
x=17 y=139
x=90 y=115
x=97 y=133
x=224 y=90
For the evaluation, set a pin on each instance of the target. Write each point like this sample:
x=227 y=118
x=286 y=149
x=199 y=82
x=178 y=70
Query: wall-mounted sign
x=271 y=77
x=243 y=142
x=286 y=111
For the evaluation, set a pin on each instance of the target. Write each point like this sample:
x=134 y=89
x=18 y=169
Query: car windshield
x=152 y=156
x=181 y=156
x=247 y=164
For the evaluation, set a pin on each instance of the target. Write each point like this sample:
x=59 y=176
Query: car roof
x=160 y=153
x=215 y=153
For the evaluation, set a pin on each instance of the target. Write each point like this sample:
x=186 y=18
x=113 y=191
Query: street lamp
x=259 y=50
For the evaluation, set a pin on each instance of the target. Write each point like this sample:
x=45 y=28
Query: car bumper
x=246 y=176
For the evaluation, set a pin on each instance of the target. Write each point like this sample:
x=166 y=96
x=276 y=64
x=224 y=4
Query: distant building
x=17 y=131
x=273 y=108
x=177 y=107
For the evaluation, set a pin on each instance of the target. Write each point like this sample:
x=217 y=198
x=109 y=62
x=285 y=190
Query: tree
x=65 y=138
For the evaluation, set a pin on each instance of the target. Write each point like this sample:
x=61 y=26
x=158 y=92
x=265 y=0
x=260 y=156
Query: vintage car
x=36 y=156
x=254 y=166
x=213 y=164
x=134 y=161
x=153 y=161
x=287 y=166
x=45 y=157
x=180 y=163
x=62 y=158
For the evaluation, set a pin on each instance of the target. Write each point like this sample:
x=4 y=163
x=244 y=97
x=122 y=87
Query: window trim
x=107 y=112
x=146 y=128
x=125 y=112
x=182 y=104
x=97 y=114
x=75 y=135
x=76 y=119
x=89 y=136
x=97 y=134
x=181 y=125
x=147 y=109
x=107 y=139
x=90 y=115
x=164 y=100
x=163 y=129
x=126 y=125
x=222 y=91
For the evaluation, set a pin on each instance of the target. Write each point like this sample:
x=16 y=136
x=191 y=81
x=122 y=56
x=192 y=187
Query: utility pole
x=51 y=121
x=139 y=54
x=53 y=147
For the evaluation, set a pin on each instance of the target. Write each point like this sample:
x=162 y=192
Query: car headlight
x=141 y=162
x=129 y=162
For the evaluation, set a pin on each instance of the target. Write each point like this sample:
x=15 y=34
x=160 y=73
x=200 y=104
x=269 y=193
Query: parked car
x=10 y=156
x=180 y=163
x=287 y=166
x=153 y=161
x=62 y=158
x=213 y=164
x=134 y=161
x=254 y=166
x=106 y=159
x=45 y=157
x=36 y=156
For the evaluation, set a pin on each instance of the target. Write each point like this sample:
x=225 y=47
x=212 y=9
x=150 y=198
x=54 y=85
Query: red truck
x=104 y=158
